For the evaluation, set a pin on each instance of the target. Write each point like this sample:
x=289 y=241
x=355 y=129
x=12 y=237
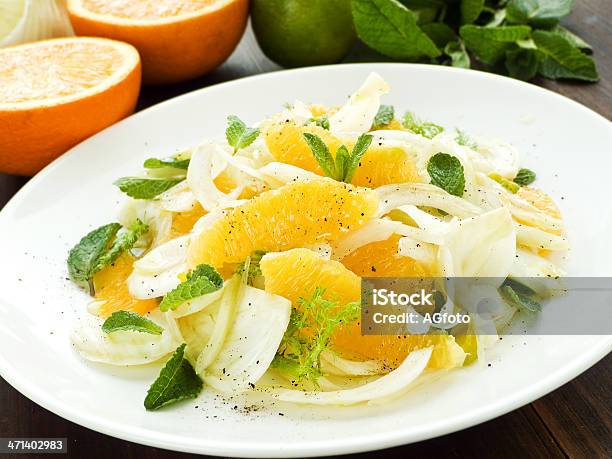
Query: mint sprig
x=130 y=321
x=446 y=172
x=125 y=241
x=343 y=167
x=525 y=177
x=418 y=126
x=493 y=32
x=202 y=280
x=383 y=117
x=176 y=381
x=238 y=134
x=145 y=188
x=83 y=258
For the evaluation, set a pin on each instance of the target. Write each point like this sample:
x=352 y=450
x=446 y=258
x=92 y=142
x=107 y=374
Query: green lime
x=296 y=33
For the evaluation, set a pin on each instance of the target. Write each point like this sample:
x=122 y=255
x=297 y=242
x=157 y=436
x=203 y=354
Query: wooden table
x=573 y=421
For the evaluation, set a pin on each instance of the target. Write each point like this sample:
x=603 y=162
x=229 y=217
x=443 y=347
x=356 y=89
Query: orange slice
x=112 y=289
x=296 y=273
x=295 y=215
x=379 y=166
x=177 y=39
x=55 y=93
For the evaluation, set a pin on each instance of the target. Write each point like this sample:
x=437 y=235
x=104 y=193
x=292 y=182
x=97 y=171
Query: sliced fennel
x=357 y=115
x=260 y=322
x=390 y=384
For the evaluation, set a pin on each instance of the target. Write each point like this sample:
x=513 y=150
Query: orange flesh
x=57 y=70
x=111 y=286
x=541 y=201
x=145 y=9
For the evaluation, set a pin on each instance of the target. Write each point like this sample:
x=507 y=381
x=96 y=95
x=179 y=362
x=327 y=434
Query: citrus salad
x=238 y=263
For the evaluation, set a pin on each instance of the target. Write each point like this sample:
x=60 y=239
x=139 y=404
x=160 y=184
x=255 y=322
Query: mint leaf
x=130 y=321
x=238 y=134
x=154 y=163
x=446 y=172
x=470 y=10
x=383 y=117
x=424 y=128
x=83 y=257
x=321 y=154
x=124 y=241
x=539 y=13
x=144 y=188
x=574 y=39
x=520 y=296
x=360 y=148
x=489 y=44
x=390 y=28
x=176 y=381
x=522 y=64
x=525 y=177
x=562 y=59
x=202 y=280
x=459 y=56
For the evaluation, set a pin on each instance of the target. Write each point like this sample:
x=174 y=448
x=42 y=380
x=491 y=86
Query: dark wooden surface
x=574 y=421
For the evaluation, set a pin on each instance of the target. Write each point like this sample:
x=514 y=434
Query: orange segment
x=295 y=215
x=111 y=287
x=55 y=93
x=379 y=166
x=296 y=273
x=380 y=259
x=177 y=39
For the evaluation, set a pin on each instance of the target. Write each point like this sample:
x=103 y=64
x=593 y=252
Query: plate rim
x=389 y=439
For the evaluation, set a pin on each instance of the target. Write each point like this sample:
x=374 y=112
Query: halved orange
x=177 y=39
x=297 y=273
x=55 y=93
x=295 y=215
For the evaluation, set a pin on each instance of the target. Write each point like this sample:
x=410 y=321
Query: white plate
x=567 y=144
